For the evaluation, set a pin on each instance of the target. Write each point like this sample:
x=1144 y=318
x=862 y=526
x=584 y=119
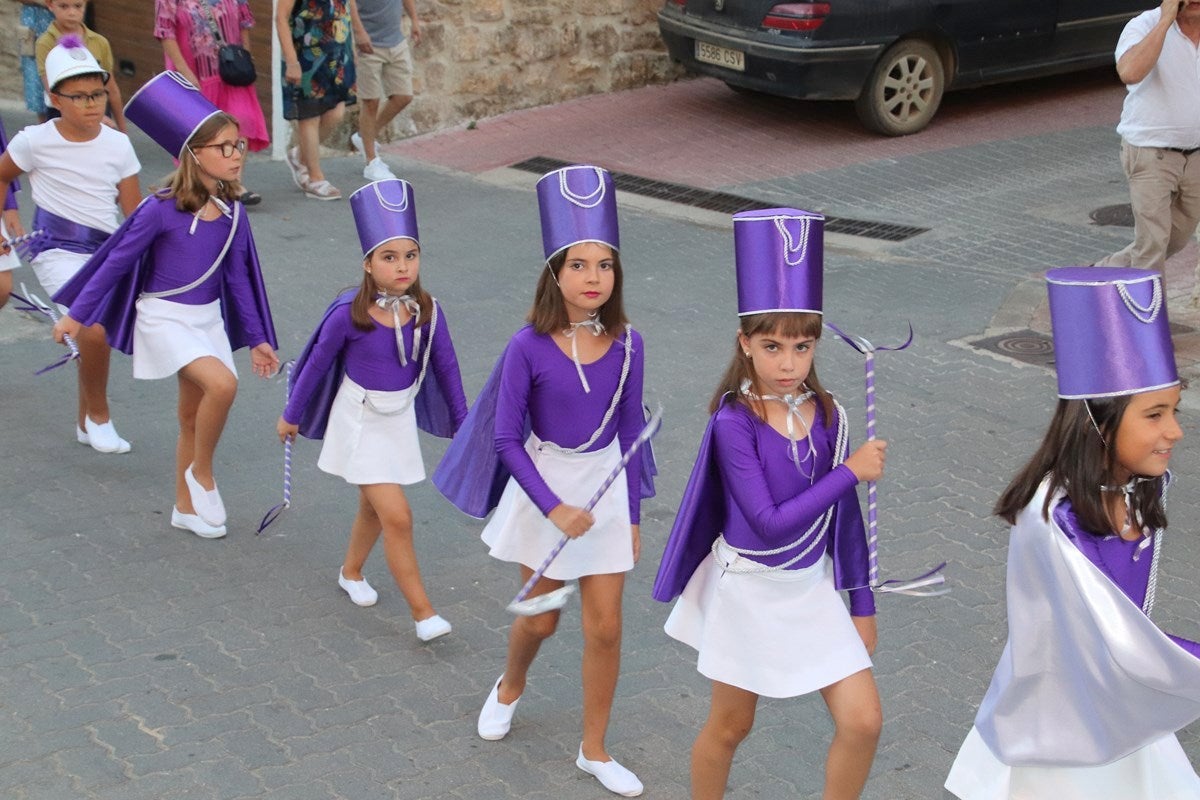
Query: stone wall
x=479 y=58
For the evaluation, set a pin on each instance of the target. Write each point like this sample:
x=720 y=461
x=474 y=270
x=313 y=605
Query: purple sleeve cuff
x=862 y=603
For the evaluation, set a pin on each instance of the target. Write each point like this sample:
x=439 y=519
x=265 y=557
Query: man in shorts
x=384 y=70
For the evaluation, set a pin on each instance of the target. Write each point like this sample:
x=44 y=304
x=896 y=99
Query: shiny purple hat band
x=1110 y=332
x=383 y=211
x=170 y=110
x=577 y=204
x=779 y=254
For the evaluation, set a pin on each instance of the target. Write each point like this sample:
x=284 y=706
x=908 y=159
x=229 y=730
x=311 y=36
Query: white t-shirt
x=1163 y=109
x=75 y=180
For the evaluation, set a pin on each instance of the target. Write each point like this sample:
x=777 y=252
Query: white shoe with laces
x=612 y=776
x=376 y=170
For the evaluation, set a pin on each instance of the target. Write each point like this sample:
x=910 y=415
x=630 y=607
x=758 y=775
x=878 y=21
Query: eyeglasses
x=227 y=148
x=84 y=99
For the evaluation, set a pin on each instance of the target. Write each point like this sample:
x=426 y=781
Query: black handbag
x=234 y=64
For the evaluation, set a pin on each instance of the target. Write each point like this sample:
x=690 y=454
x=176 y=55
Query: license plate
x=720 y=56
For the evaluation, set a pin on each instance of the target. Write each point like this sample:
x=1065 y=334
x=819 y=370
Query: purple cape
x=472 y=476
x=118 y=313
x=434 y=415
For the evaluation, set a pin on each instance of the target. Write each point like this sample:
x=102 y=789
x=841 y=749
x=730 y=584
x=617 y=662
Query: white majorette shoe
x=207 y=503
x=612 y=776
x=193 y=523
x=495 y=718
x=101 y=437
x=361 y=593
x=432 y=628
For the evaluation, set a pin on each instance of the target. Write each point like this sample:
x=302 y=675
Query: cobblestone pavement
x=141 y=662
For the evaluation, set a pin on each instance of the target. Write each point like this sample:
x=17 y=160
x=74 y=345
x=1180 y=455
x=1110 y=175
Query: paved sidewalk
x=137 y=661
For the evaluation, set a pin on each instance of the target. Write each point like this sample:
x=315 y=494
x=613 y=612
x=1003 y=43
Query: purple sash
x=63 y=234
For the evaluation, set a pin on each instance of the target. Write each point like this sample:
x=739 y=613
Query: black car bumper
x=777 y=65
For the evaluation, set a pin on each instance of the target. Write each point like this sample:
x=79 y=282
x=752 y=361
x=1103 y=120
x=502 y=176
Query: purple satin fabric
x=60 y=233
x=744 y=486
x=590 y=217
x=384 y=210
x=440 y=405
x=169 y=110
x=1101 y=347
x=10 y=197
x=779 y=254
x=124 y=265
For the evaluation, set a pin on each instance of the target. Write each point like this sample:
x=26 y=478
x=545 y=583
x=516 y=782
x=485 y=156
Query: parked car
x=894 y=58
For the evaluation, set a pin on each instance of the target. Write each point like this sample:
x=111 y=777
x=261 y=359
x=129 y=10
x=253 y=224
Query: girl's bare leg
x=205 y=420
x=730 y=718
x=853 y=703
x=395 y=517
x=525 y=639
x=600 y=597
x=364 y=532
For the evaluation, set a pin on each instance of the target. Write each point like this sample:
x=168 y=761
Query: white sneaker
x=207 y=502
x=356 y=144
x=495 y=718
x=101 y=436
x=432 y=628
x=193 y=523
x=612 y=776
x=361 y=593
x=376 y=170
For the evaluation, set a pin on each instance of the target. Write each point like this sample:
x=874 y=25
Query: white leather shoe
x=432 y=628
x=207 y=503
x=361 y=593
x=495 y=718
x=193 y=523
x=101 y=437
x=612 y=776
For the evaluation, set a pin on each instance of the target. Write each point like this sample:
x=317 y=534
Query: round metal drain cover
x=1025 y=345
x=1118 y=215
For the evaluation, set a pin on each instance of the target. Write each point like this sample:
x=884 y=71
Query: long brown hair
x=185 y=184
x=549 y=312
x=792 y=324
x=1078 y=458
x=367 y=290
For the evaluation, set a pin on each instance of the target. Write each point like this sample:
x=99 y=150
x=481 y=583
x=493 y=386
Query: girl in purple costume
x=371 y=434
x=187 y=256
x=576 y=374
x=761 y=609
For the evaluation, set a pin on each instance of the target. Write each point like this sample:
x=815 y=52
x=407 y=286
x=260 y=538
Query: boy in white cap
x=80 y=172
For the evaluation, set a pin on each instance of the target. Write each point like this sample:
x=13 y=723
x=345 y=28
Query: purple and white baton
x=552 y=601
x=34 y=303
x=21 y=243
x=279 y=508
x=931 y=578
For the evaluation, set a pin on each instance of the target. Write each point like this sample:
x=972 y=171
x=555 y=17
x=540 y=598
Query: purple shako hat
x=170 y=110
x=577 y=204
x=1110 y=332
x=383 y=211
x=779 y=255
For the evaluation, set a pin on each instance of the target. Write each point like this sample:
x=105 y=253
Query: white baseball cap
x=70 y=59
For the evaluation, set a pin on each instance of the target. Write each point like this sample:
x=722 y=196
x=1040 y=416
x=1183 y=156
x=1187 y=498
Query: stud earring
x=746 y=353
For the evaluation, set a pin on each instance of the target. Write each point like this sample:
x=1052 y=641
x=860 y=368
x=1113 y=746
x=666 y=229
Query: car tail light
x=677 y=2
x=796 y=16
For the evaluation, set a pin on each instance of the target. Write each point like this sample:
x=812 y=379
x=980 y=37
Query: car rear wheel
x=904 y=89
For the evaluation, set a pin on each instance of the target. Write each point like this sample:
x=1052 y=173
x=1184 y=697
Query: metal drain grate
x=1028 y=346
x=726 y=203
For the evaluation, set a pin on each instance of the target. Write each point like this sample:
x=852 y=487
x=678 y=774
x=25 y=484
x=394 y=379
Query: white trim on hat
x=781 y=311
x=382 y=242
x=568 y=246
x=1121 y=393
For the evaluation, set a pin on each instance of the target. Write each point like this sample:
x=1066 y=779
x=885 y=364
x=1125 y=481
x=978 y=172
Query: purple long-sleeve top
x=769 y=503
x=178 y=257
x=373 y=362
x=539 y=380
x=1113 y=556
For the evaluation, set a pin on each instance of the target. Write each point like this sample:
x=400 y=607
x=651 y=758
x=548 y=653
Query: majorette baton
x=35 y=304
x=278 y=509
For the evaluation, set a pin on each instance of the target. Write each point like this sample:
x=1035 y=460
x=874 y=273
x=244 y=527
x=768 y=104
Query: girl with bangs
x=179 y=287
x=769 y=528
x=567 y=400
x=380 y=364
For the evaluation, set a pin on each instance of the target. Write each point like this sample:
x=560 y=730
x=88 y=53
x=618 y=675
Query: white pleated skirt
x=519 y=533
x=1158 y=771
x=777 y=634
x=372 y=437
x=168 y=336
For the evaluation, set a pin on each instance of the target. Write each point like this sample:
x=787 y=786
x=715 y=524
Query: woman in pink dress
x=188 y=32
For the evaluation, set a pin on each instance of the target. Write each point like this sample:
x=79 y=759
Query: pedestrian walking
x=380 y=364
x=1089 y=692
x=384 y=70
x=567 y=400
x=769 y=528
x=179 y=286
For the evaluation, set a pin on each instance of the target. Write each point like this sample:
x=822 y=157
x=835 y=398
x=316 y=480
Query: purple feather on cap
x=1111 y=335
x=170 y=110
x=779 y=256
x=577 y=204
x=70 y=40
x=383 y=211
